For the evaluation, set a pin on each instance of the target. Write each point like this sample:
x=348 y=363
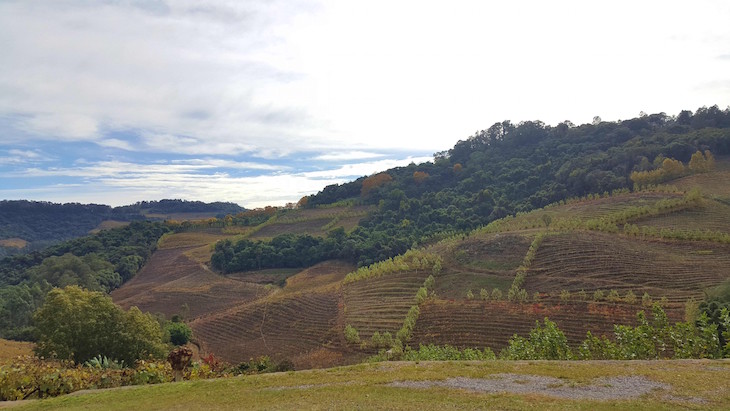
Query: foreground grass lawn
x=544 y=385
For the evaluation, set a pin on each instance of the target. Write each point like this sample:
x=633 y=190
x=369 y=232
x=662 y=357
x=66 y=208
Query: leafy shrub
x=421 y=295
x=180 y=333
x=31 y=377
x=646 y=300
x=352 y=336
x=595 y=348
x=406 y=331
x=105 y=363
x=613 y=296
x=78 y=325
x=545 y=342
x=152 y=372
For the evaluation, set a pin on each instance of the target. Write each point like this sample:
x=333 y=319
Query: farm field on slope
x=300 y=322
x=11 y=349
x=598 y=261
x=302 y=318
x=171 y=281
x=507 y=385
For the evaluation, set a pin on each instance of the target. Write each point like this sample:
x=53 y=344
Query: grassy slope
x=691 y=385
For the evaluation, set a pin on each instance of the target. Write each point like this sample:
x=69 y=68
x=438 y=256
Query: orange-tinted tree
x=373 y=182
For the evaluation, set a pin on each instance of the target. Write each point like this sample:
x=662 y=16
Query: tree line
x=100 y=262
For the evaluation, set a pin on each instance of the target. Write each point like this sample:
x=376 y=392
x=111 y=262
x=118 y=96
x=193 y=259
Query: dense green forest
x=181 y=206
x=42 y=224
x=100 y=262
x=505 y=169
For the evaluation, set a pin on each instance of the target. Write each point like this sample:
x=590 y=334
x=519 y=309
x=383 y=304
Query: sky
x=263 y=102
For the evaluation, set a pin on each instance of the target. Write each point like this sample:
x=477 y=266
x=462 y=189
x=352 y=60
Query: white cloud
x=116 y=143
x=23 y=157
x=125 y=182
x=363 y=169
x=335 y=81
x=220 y=163
x=274 y=78
x=347 y=155
x=25 y=154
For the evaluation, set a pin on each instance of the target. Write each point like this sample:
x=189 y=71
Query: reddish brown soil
x=591 y=261
x=381 y=304
x=290 y=327
x=492 y=323
x=170 y=279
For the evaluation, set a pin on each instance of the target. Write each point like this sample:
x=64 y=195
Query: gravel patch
x=605 y=388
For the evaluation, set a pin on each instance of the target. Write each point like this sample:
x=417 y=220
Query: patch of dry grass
x=11 y=349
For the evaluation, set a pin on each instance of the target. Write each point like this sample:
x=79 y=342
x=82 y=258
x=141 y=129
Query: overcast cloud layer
x=261 y=102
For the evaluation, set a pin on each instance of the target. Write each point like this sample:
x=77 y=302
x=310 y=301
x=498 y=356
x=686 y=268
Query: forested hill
x=33 y=225
x=509 y=168
x=181 y=206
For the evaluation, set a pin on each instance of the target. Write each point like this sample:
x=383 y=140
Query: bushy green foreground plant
x=545 y=342
x=76 y=324
x=180 y=332
x=33 y=377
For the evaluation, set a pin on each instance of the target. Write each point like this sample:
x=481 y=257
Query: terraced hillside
x=493 y=323
x=380 y=304
x=479 y=261
x=172 y=283
x=563 y=253
x=301 y=322
x=316 y=221
x=714 y=185
x=598 y=261
x=709 y=215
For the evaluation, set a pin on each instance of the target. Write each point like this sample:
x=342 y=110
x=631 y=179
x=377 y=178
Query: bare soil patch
x=604 y=388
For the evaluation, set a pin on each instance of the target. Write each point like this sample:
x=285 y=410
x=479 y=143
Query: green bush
x=352 y=336
x=545 y=342
x=180 y=333
x=446 y=353
x=78 y=325
x=421 y=295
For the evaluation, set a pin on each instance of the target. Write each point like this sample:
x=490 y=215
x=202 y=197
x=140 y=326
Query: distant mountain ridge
x=41 y=224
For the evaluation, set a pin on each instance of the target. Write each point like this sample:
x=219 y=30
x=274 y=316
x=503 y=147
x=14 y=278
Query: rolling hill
x=583 y=224
x=27 y=226
x=300 y=315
